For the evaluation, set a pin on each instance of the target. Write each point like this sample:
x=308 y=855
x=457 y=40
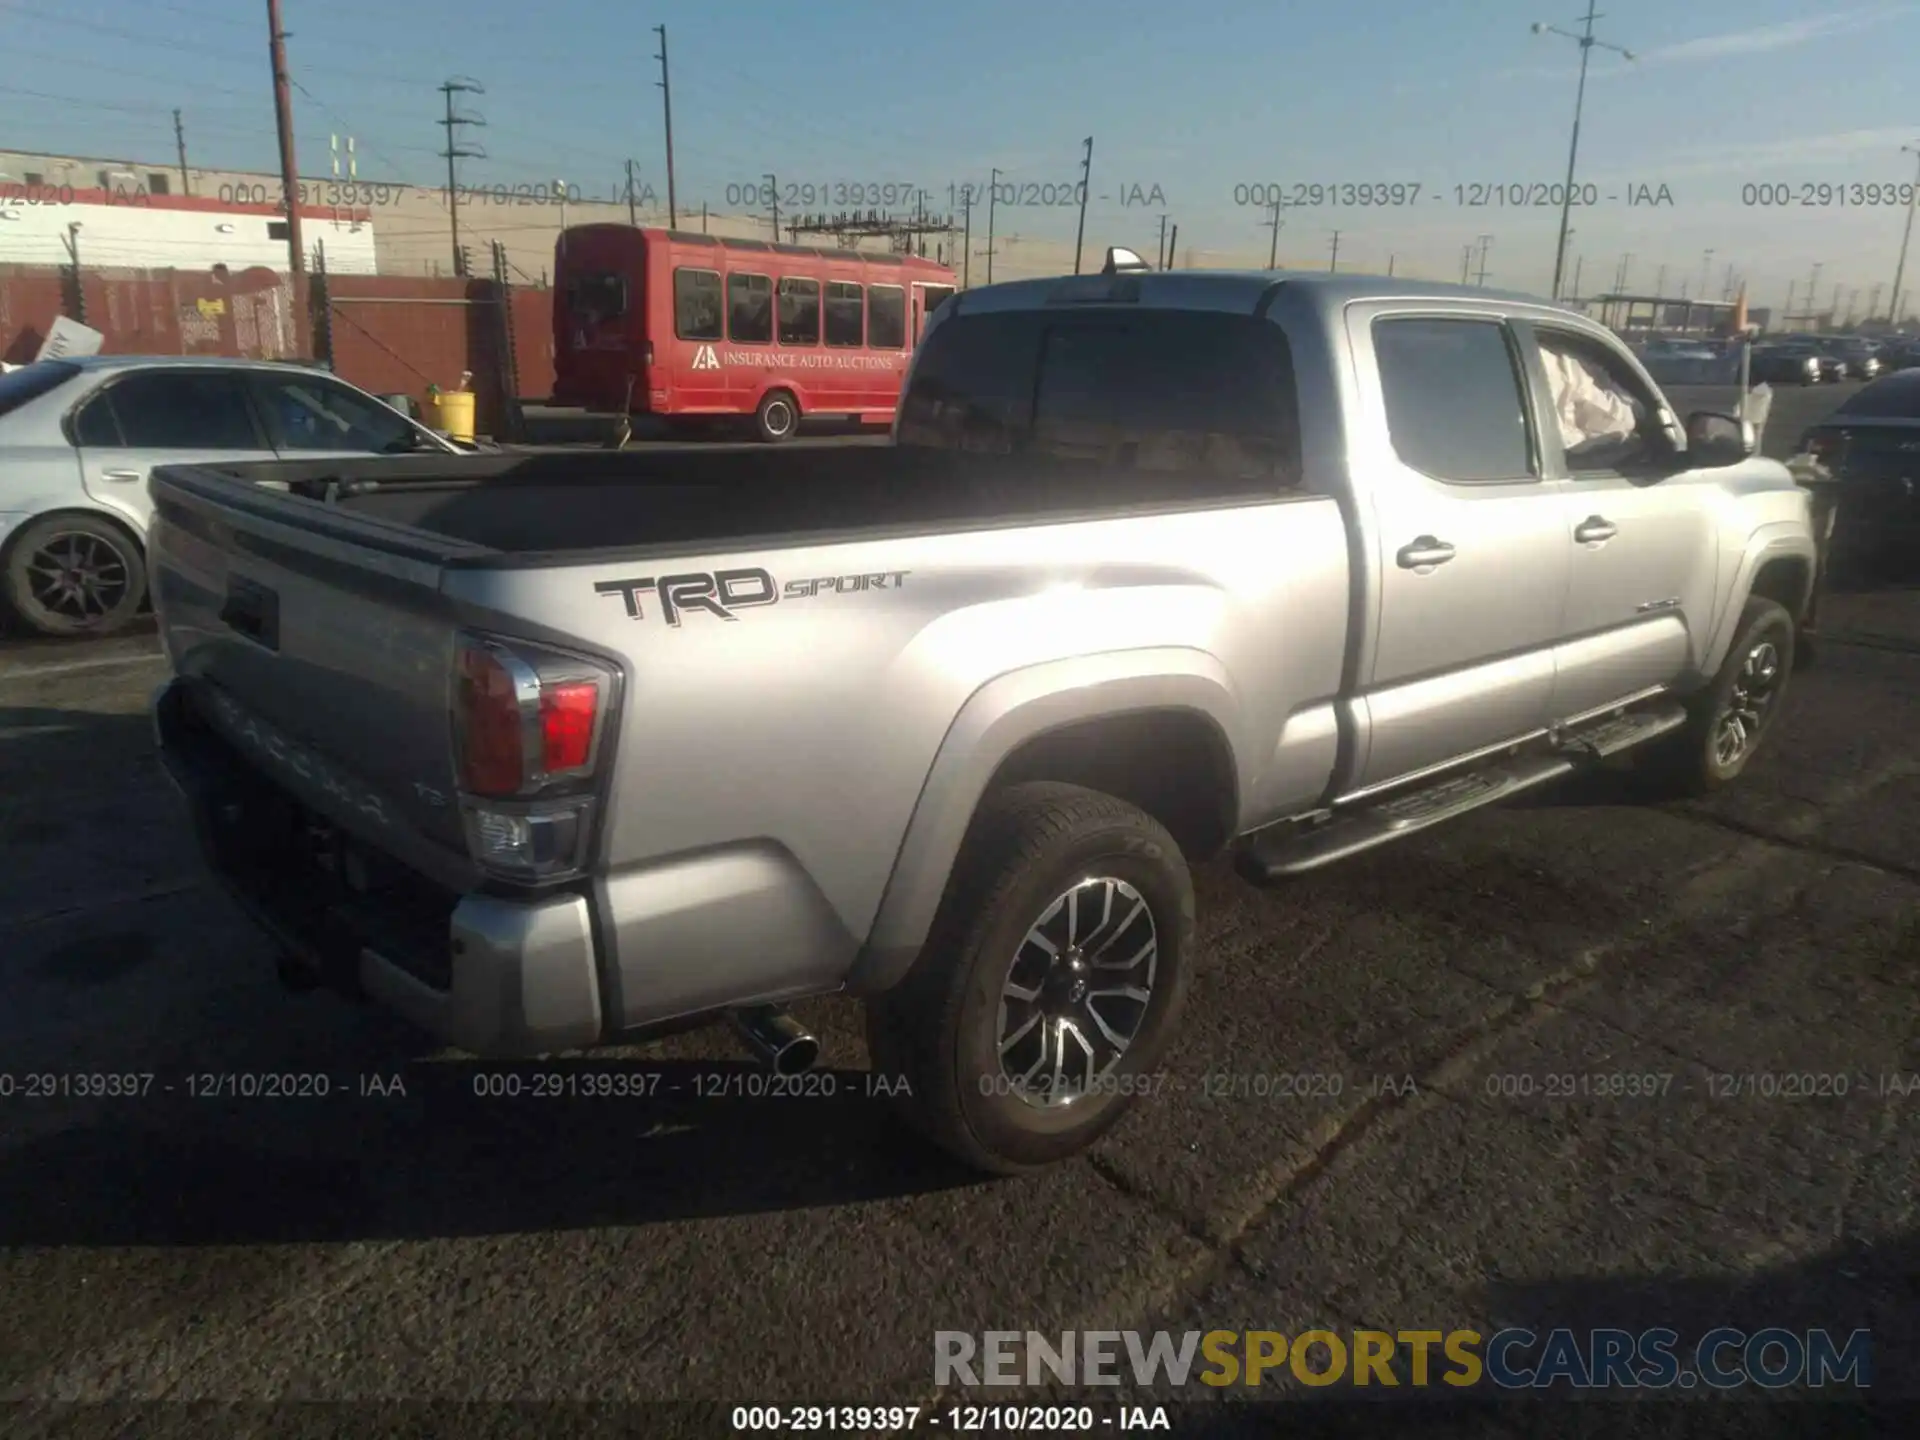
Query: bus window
x=844 y=313
x=886 y=317
x=597 y=296
x=799 y=312
x=750 y=308
x=934 y=296
x=696 y=304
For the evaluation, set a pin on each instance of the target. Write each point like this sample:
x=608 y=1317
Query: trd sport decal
x=722 y=592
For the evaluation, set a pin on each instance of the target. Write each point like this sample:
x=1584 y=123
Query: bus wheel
x=777 y=418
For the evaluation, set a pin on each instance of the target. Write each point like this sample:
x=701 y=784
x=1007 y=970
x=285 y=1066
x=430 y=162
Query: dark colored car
x=1785 y=365
x=1872 y=444
x=1899 y=355
x=1860 y=357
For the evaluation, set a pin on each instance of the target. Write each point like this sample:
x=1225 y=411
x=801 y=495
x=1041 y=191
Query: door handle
x=121 y=475
x=1595 y=530
x=1424 y=553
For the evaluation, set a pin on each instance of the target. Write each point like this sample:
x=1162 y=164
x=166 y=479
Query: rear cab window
x=30 y=382
x=1194 y=392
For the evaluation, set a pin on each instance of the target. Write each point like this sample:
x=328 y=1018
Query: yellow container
x=451 y=413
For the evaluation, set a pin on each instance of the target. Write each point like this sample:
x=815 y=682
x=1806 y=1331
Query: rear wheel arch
x=1063 y=722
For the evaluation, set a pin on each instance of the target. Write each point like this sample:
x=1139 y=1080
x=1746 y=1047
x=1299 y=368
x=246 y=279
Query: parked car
x=78 y=438
x=1859 y=358
x=1899 y=355
x=1778 y=364
x=1871 y=443
x=1159 y=565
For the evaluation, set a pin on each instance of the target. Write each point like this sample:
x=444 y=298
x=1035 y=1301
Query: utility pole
x=1466 y=263
x=1587 y=42
x=1726 y=291
x=966 y=234
x=1620 y=280
x=454 y=152
x=1486 y=244
x=1390 y=260
x=1900 y=270
x=1160 y=255
x=289 y=171
x=666 y=98
x=1813 y=290
x=180 y=144
x=993 y=194
x=1578 y=261
x=1660 y=284
x=1173 y=242
x=1086 y=184
x=1333 y=266
x=1786 y=313
x=633 y=217
x=1273 y=249
x=1706 y=259
x=1873 y=301
x=773 y=199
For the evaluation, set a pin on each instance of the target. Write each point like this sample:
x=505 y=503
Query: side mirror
x=1717 y=440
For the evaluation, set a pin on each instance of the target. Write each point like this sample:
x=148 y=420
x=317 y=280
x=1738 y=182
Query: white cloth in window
x=1593 y=412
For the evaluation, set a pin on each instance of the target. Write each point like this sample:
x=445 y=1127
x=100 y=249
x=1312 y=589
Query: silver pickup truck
x=551 y=750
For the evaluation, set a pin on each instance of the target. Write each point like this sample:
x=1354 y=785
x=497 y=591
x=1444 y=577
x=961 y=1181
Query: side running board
x=1285 y=852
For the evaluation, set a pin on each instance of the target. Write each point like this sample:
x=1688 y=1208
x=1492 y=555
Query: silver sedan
x=78 y=438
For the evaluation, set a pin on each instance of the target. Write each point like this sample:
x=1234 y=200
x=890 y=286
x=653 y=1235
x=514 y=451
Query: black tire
x=940 y=1028
x=778 y=418
x=1698 y=759
x=84 y=549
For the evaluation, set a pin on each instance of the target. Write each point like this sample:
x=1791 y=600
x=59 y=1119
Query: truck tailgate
x=318 y=644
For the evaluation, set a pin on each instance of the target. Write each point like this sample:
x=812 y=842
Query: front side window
x=1455 y=407
x=696 y=304
x=314 y=414
x=1604 y=416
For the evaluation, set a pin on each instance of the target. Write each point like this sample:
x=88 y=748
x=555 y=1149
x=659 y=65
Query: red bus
x=668 y=323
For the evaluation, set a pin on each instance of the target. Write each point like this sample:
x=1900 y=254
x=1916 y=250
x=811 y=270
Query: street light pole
x=1900 y=270
x=1586 y=41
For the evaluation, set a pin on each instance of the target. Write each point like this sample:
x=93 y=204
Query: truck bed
x=548 y=504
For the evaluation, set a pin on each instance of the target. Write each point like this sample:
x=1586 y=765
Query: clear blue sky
x=1192 y=99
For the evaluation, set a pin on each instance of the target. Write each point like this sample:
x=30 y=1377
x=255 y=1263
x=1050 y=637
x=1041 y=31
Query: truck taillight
x=527 y=727
x=646 y=353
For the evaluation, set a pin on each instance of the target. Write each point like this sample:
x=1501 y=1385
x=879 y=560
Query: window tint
x=596 y=297
x=696 y=304
x=1172 y=391
x=319 y=415
x=972 y=385
x=1605 y=416
x=94 y=424
x=799 y=312
x=750 y=308
x=184 y=410
x=1167 y=391
x=30 y=382
x=1454 y=406
x=844 y=313
x=886 y=317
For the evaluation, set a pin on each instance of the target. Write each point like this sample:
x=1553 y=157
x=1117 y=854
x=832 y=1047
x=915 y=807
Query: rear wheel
x=74 y=575
x=777 y=418
x=1051 y=983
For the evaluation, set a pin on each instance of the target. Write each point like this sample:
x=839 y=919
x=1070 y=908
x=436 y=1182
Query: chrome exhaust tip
x=778 y=1041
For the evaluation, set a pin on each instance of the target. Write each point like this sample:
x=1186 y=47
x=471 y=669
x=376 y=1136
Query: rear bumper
x=497 y=976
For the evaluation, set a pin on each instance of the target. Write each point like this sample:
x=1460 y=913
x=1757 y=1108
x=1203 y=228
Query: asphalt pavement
x=1459 y=1011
